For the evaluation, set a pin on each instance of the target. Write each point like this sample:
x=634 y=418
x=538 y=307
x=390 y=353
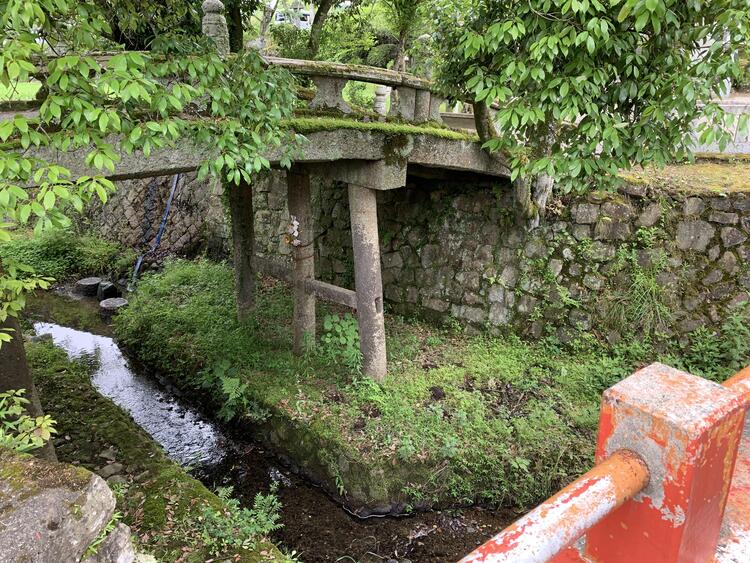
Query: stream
x=315 y=527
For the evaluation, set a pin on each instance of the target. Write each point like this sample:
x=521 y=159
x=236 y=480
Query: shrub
x=62 y=254
x=719 y=354
x=18 y=430
x=289 y=41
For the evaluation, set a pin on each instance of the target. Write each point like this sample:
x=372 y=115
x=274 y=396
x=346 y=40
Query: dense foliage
x=585 y=88
x=61 y=254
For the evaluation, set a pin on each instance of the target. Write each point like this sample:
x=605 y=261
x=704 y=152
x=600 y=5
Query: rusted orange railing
x=552 y=526
x=666 y=452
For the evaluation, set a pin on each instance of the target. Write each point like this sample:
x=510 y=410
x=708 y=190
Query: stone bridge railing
x=412 y=98
x=671 y=484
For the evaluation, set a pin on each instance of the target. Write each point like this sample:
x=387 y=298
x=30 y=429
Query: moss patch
x=705 y=176
x=305 y=125
x=459 y=419
x=162 y=502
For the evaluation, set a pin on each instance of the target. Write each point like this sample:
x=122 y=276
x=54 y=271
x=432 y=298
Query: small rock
x=693 y=207
x=694 y=235
x=723 y=217
x=585 y=213
x=88 y=286
x=721 y=203
x=732 y=237
x=650 y=215
x=116 y=547
x=111 y=469
x=42 y=338
x=117 y=480
x=593 y=282
x=108 y=454
x=714 y=277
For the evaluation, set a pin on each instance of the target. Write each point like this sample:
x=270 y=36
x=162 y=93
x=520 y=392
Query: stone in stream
x=109 y=307
x=88 y=286
x=107 y=290
x=110 y=469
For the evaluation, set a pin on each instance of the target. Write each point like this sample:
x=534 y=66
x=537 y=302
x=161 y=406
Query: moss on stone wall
x=730 y=174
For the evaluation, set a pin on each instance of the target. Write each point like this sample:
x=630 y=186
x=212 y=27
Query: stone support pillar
x=368 y=280
x=303 y=256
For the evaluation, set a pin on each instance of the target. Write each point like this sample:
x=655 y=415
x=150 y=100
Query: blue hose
x=162 y=227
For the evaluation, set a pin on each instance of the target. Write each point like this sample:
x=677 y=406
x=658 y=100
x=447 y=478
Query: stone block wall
x=134 y=212
x=644 y=259
x=639 y=260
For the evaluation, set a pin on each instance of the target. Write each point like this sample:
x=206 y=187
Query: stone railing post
x=329 y=94
x=403 y=102
x=381 y=96
x=215 y=25
x=422 y=106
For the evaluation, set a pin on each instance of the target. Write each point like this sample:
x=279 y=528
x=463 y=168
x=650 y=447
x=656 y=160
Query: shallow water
x=315 y=527
x=187 y=436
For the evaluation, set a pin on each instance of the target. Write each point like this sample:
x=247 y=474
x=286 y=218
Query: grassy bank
x=173 y=515
x=494 y=420
x=62 y=254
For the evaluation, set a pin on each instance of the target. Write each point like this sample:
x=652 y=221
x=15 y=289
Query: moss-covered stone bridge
x=368 y=152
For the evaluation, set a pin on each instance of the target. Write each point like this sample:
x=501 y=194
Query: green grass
x=495 y=420
x=162 y=504
x=61 y=254
x=21 y=92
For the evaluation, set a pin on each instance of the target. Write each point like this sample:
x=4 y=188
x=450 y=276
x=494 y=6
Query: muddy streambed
x=315 y=527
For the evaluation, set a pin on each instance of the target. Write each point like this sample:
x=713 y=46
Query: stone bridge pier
x=363 y=179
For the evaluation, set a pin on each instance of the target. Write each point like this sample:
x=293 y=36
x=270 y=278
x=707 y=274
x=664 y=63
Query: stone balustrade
x=412 y=97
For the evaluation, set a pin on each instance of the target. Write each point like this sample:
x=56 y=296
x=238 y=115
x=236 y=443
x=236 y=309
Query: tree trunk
x=236 y=27
x=483 y=122
x=542 y=191
x=313 y=44
x=401 y=52
x=15 y=374
x=522 y=193
x=268 y=14
x=240 y=200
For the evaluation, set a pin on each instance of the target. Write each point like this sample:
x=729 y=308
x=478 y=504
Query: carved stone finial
x=215 y=25
x=213 y=7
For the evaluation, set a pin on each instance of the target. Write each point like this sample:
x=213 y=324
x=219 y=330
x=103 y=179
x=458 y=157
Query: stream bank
x=315 y=527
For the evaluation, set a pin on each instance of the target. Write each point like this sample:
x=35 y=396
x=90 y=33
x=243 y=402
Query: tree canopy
x=585 y=88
